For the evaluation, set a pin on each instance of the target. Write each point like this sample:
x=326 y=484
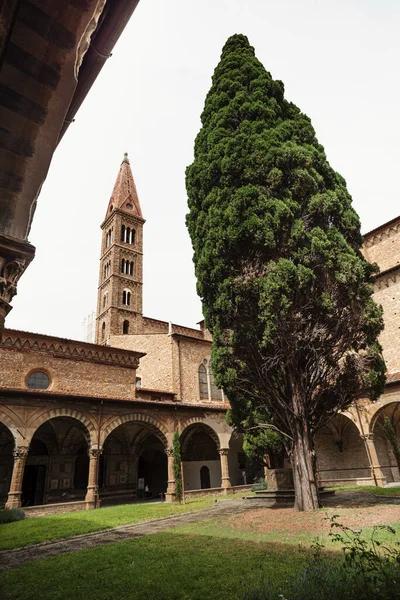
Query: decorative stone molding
x=223 y=451
x=73 y=350
x=169 y=451
x=377 y=237
x=20 y=452
x=387 y=278
x=15 y=256
x=95 y=453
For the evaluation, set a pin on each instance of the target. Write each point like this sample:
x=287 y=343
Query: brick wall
x=67 y=376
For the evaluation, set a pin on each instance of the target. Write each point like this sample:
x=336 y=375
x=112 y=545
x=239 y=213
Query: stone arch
x=386 y=458
x=221 y=437
x=158 y=428
x=90 y=429
x=194 y=426
x=341 y=452
x=12 y=426
x=395 y=404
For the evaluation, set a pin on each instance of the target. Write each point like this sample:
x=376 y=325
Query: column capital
x=368 y=437
x=20 y=452
x=169 y=451
x=95 y=452
x=223 y=451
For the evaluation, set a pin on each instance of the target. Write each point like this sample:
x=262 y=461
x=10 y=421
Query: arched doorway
x=386 y=458
x=6 y=461
x=199 y=450
x=57 y=466
x=205 y=481
x=341 y=453
x=132 y=462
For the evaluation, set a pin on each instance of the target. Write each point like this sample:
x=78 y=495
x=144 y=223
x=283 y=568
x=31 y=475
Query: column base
x=170 y=496
x=13 y=500
x=92 y=497
x=226 y=486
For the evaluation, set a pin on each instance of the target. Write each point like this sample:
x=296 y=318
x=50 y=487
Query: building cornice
x=69 y=349
x=387 y=278
x=382 y=232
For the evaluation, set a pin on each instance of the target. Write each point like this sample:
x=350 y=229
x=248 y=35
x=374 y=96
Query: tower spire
x=124 y=195
x=119 y=304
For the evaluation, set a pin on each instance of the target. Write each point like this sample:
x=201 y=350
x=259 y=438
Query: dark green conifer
x=286 y=292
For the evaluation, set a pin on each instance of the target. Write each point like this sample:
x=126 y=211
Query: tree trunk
x=303 y=463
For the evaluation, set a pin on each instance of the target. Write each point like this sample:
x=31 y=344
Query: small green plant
x=366 y=570
x=176 y=445
x=10 y=515
x=259 y=485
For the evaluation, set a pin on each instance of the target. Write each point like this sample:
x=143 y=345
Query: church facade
x=82 y=423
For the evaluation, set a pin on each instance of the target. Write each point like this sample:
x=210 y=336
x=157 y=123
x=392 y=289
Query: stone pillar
x=14 y=495
x=92 y=494
x=170 y=495
x=225 y=480
x=376 y=471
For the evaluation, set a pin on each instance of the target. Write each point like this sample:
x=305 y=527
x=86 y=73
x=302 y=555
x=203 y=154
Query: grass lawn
x=164 y=566
x=218 y=559
x=52 y=527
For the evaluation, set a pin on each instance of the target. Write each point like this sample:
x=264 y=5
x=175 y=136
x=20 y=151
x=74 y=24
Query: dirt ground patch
x=289 y=522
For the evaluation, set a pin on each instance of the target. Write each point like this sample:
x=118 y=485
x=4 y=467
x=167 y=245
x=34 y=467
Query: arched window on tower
x=125 y=327
x=130 y=268
x=203 y=382
x=103 y=331
x=109 y=237
x=105 y=299
x=126 y=298
x=132 y=236
x=123 y=265
x=123 y=233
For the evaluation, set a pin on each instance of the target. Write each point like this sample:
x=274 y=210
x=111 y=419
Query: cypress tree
x=286 y=292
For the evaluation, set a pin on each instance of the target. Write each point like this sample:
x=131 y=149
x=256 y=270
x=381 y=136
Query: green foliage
x=9 y=515
x=367 y=569
x=286 y=292
x=390 y=434
x=176 y=445
x=260 y=485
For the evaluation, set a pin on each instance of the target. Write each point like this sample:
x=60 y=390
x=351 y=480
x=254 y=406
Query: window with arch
x=103 y=331
x=107 y=269
x=109 y=237
x=207 y=387
x=105 y=299
x=127 y=267
x=38 y=380
x=126 y=298
x=128 y=235
x=125 y=327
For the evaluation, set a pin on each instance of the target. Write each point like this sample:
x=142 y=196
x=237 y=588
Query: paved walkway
x=10 y=559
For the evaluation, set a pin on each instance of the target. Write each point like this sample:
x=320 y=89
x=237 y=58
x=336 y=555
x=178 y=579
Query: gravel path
x=10 y=559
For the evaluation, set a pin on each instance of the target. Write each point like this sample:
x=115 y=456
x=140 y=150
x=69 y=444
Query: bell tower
x=119 y=303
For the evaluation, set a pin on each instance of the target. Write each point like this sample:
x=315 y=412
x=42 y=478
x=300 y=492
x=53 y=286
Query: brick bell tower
x=119 y=303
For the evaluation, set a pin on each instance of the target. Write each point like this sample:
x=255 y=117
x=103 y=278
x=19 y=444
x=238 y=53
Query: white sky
x=339 y=61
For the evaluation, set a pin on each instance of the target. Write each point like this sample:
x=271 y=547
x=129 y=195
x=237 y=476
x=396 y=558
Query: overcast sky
x=339 y=61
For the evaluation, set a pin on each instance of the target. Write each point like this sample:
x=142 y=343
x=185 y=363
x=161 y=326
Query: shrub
x=366 y=570
x=260 y=484
x=9 y=515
